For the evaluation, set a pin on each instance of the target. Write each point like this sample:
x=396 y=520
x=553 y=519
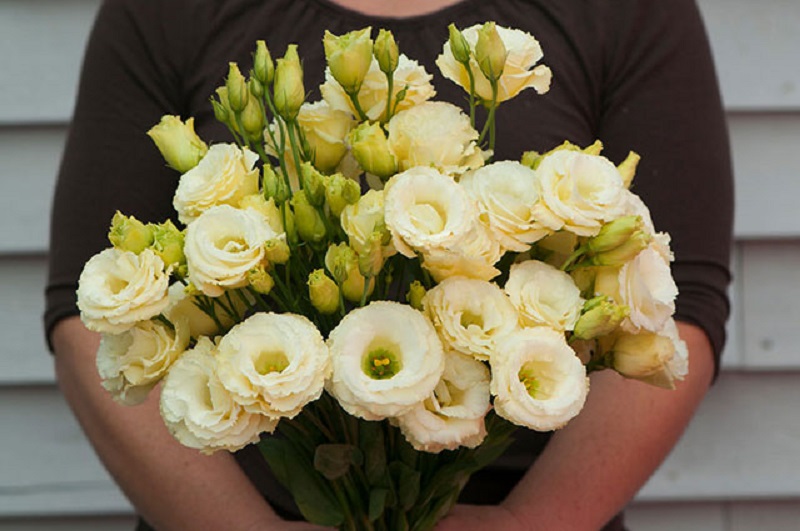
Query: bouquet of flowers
x=355 y=286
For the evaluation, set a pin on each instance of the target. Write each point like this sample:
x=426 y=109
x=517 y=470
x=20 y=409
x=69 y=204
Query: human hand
x=480 y=518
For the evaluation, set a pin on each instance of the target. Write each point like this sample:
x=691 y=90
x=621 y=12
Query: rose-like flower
x=453 y=415
x=543 y=295
x=655 y=358
x=437 y=134
x=182 y=307
x=117 y=289
x=473 y=257
x=470 y=316
x=222 y=245
x=325 y=130
x=199 y=412
x=537 y=380
x=519 y=71
x=178 y=143
x=506 y=192
x=274 y=364
x=579 y=191
x=363 y=223
x=224 y=176
x=349 y=57
x=387 y=358
x=374 y=92
x=133 y=362
x=632 y=205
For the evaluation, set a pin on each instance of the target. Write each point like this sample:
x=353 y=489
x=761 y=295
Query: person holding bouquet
x=635 y=74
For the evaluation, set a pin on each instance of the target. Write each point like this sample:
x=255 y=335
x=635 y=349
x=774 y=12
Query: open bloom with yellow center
x=519 y=71
x=537 y=380
x=543 y=295
x=453 y=415
x=133 y=362
x=222 y=245
x=387 y=358
x=224 y=176
x=199 y=412
x=274 y=364
x=470 y=315
x=117 y=289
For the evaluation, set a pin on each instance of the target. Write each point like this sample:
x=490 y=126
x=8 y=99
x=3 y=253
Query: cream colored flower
x=374 y=93
x=182 y=307
x=199 y=412
x=655 y=358
x=222 y=245
x=325 y=130
x=537 y=380
x=470 y=316
x=474 y=257
x=579 y=192
x=453 y=415
x=543 y=295
x=437 y=134
x=117 y=289
x=133 y=362
x=632 y=205
x=274 y=364
x=364 y=224
x=224 y=176
x=519 y=72
x=506 y=192
x=386 y=359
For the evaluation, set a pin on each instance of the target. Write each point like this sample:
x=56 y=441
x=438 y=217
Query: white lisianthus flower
x=325 y=130
x=655 y=358
x=470 y=315
x=199 y=412
x=274 y=364
x=437 y=134
x=519 y=72
x=373 y=95
x=387 y=358
x=506 y=192
x=117 y=289
x=537 y=380
x=544 y=295
x=224 y=176
x=130 y=364
x=579 y=192
x=453 y=415
x=363 y=222
x=222 y=245
x=473 y=257
x=632 y=205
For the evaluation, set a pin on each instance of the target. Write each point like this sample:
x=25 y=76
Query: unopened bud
x=340 y=191
x=265 y=207
x=614 y=234
x=310 y=225
x=180 y=146
x=349 y=57
x=237 y=88
x=458 y=45
x=253 y=119
x=594 y=149
x=323 y=292
x=129 y=234
x=289 y=89
x=370 y=148
x=531 y=159
x=601 y=316
x=260 y=280
x=416 y=292
x=263 y=67
x=255 y=86
x=312 y=184
x=627 y=168
x=626 y=252
x=168 y=243
x=274 y=186
x=642 y=356
x=277 y=251
x=490 y=52
x=386 y=52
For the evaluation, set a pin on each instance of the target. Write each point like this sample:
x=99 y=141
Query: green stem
x=471 y=78
x=390 y=86
x=354 y=98
x=291 y=126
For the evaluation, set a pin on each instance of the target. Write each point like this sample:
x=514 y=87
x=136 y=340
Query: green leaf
x=400 y=521
x=377 y=503
x=371 y=441
x=334 y=460
x=407 y=481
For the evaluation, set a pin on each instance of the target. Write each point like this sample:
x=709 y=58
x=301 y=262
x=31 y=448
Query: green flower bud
x=618 y=256
x=129 y=234
x=370 y=255
x=277 y=251
x=614 y=234
x=370 y=148
x=627 y=168
x=594 y=149
x=458 y=45
x=644 y=357
x=416 y=292
x=222 y=109
x=237 y=88
x=342 y=261
x=323 y=291
x=288 y=89
x=312 y=184
x=349 y=57
x=531 y=159
x=490 y=52
x=310 y=225
x=600 y=317
x=274 y=186
x=386 y=52
x=253 y=119
x=289 y=225
x=255 y=86
x=340 y=191
x=178 y=143
x=260 y=280
x=265 y=207
x=263 y=67
x=168 y=243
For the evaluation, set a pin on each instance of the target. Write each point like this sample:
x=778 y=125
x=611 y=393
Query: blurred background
x=738 y=466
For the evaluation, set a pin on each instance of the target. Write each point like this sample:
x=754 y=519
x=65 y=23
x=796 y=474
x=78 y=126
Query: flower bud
x=129 y=234
x=370 y=256
x=263 y=67
x=490 y=52
x=600 y=317
x=386 y=52
x=277 y=250
x=288 y=89
x=222 y=109
x=416 y=292
x=349 y=57
x=340 y=191
x=289 y=225
x=310 y=225
x=253 y=119
x=642 y=356
x=265 y=207
x=531 y=159
x=627 y=168
x=178 y=143
x=274 y=185
x=618 y=256
x=614 y=234
x=323 y=291
x=370 y=148
x=342 y=261
x=312 y=184
x=168 y=243
x=255 y=86
x=594 y=149
x=237 y=88
x=260 y=280
x=458 y=45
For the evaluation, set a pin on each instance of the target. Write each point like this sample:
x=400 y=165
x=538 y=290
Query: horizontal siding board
x=99 y=523
x=674 y=516
x=774 y=516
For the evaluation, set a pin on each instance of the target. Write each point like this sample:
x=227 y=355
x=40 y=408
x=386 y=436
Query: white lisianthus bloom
x=473 y=257
x=363 y=222
x=579 y=192
x=224 y=176
x=519 y=72
x=222 y=245
x=373 y=95
x=632 y=205
x=437 y=134
x=655 y=358
x=544 y=295
x=117 y=289
x=387 y=358
x=506 y=192
x=199 y=412
x=470 y=315
x=130 y=364
x=274 y=364
x=537 y=380
x=453 y=415
x=325 y=130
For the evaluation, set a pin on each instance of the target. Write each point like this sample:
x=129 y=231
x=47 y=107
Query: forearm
x=173 y=487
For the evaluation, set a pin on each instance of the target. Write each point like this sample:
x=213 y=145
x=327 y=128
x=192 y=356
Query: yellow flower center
x=270 y=361
x=469 y=319
x=534 y=376
x=428 y=218
x=381 y=364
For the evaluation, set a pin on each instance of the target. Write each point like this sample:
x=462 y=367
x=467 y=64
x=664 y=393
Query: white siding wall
x=738 y=467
